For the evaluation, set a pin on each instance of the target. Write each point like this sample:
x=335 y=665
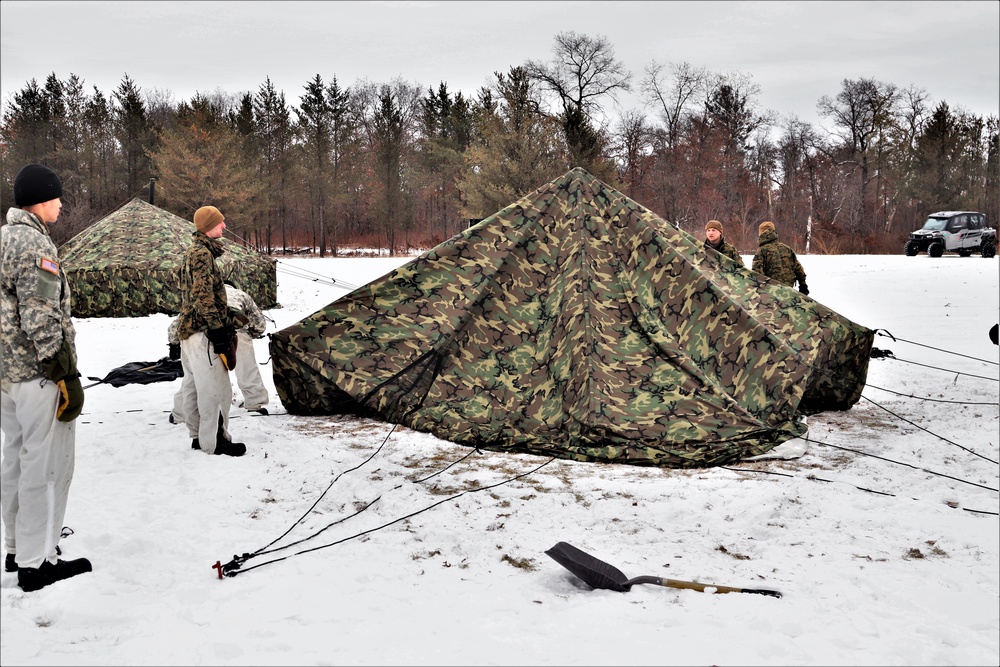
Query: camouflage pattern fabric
x=576 y=323
x=241 y=301
x=127 y=264
x=727 y=249
x=776 y=260
x=34 y=299
x=204 y=304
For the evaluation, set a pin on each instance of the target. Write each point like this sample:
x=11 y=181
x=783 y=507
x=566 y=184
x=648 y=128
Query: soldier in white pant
x=39 y=455
x=208 y=389
x=206 y=330
x=247 y=371
x=40 y=391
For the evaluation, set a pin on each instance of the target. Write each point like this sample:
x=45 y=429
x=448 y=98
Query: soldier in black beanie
x=40 y=392
x=36 y=184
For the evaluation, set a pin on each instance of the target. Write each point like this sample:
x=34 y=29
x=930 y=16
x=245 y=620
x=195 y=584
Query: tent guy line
x=233 y=567
x=878 y=332
x=928 y=398
x=297 y=272
x=813 y=478
x=901 y=463
x=970 y=451
x=947 y=370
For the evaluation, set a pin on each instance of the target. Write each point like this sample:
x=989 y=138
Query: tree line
x=394 y=165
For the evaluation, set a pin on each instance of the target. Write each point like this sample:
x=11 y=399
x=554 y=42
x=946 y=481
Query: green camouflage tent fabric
x=127 y=263
x=576 y=323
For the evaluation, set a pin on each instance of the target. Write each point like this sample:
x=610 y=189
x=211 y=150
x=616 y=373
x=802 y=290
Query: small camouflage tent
x=127 y=264
x=576 y=323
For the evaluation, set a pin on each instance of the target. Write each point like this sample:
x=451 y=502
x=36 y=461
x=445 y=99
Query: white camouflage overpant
x=39 y=455
x=247 y=372
x=212 y=392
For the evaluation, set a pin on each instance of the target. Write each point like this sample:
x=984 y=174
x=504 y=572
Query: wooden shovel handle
x=694 y=585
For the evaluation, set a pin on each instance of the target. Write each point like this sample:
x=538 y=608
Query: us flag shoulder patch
x=47 y=264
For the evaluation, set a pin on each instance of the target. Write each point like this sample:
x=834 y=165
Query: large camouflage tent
x=127 y=264
x=576 y=323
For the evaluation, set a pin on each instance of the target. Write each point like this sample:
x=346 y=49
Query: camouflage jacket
x=35 y=301
x=244 y=303
x=727 y=249
x=777 y=261
x=203 y=295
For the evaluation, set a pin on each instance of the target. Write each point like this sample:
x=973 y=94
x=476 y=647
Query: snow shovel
x=598 y=574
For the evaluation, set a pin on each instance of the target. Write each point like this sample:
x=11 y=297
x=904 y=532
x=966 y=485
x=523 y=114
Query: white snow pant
x=247 y=372
x=39 y=455
x=213 y=392
x=248 y=379
x=186 y=390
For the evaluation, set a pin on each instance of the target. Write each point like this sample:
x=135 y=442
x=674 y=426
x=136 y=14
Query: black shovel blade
x=595 y=573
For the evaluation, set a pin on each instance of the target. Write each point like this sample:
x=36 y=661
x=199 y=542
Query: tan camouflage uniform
x=38 y=449
x=727 y=249
x=204 y=307
x=777 y=261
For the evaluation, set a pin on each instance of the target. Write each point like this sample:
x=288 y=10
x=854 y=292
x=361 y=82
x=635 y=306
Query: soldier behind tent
x=776 y=260
x=248 y=377
x=40 y=391
x=207 y=336
x=715 y=241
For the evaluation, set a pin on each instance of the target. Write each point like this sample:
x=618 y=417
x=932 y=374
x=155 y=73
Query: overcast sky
x=795 y=51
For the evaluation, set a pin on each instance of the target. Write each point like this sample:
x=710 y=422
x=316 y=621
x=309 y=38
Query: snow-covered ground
x=883 y=539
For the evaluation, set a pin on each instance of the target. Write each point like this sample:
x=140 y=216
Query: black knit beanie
x=34 y=184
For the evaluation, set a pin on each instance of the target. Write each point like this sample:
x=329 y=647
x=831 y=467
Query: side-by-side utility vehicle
x=962 y=232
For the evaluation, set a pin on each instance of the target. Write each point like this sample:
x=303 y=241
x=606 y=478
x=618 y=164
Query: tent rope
x=233 y=568
x=296 y=272
x=974 y=453
x=927 y=398
x=939 y=368
x=957 y=354
x=322 y=495
x=902 y=463
x=814 y=478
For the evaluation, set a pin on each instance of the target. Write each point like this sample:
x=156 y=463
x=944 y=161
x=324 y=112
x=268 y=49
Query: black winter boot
x=34 y=578
x=230 y=448
x=10 y=562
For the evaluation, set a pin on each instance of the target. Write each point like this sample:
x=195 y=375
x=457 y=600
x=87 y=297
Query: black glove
x=71 y=403
x=804 y=289
x=224 y=344
x=175 y=351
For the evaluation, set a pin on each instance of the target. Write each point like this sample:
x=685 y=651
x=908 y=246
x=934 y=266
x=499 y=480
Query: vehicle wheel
x=964 y=253
x=989 y=249
x=911 y=249
x=935 y=249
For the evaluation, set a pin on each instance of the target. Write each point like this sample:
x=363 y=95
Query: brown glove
x=71 y=403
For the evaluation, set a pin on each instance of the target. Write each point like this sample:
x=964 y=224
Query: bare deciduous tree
x=583 y=71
